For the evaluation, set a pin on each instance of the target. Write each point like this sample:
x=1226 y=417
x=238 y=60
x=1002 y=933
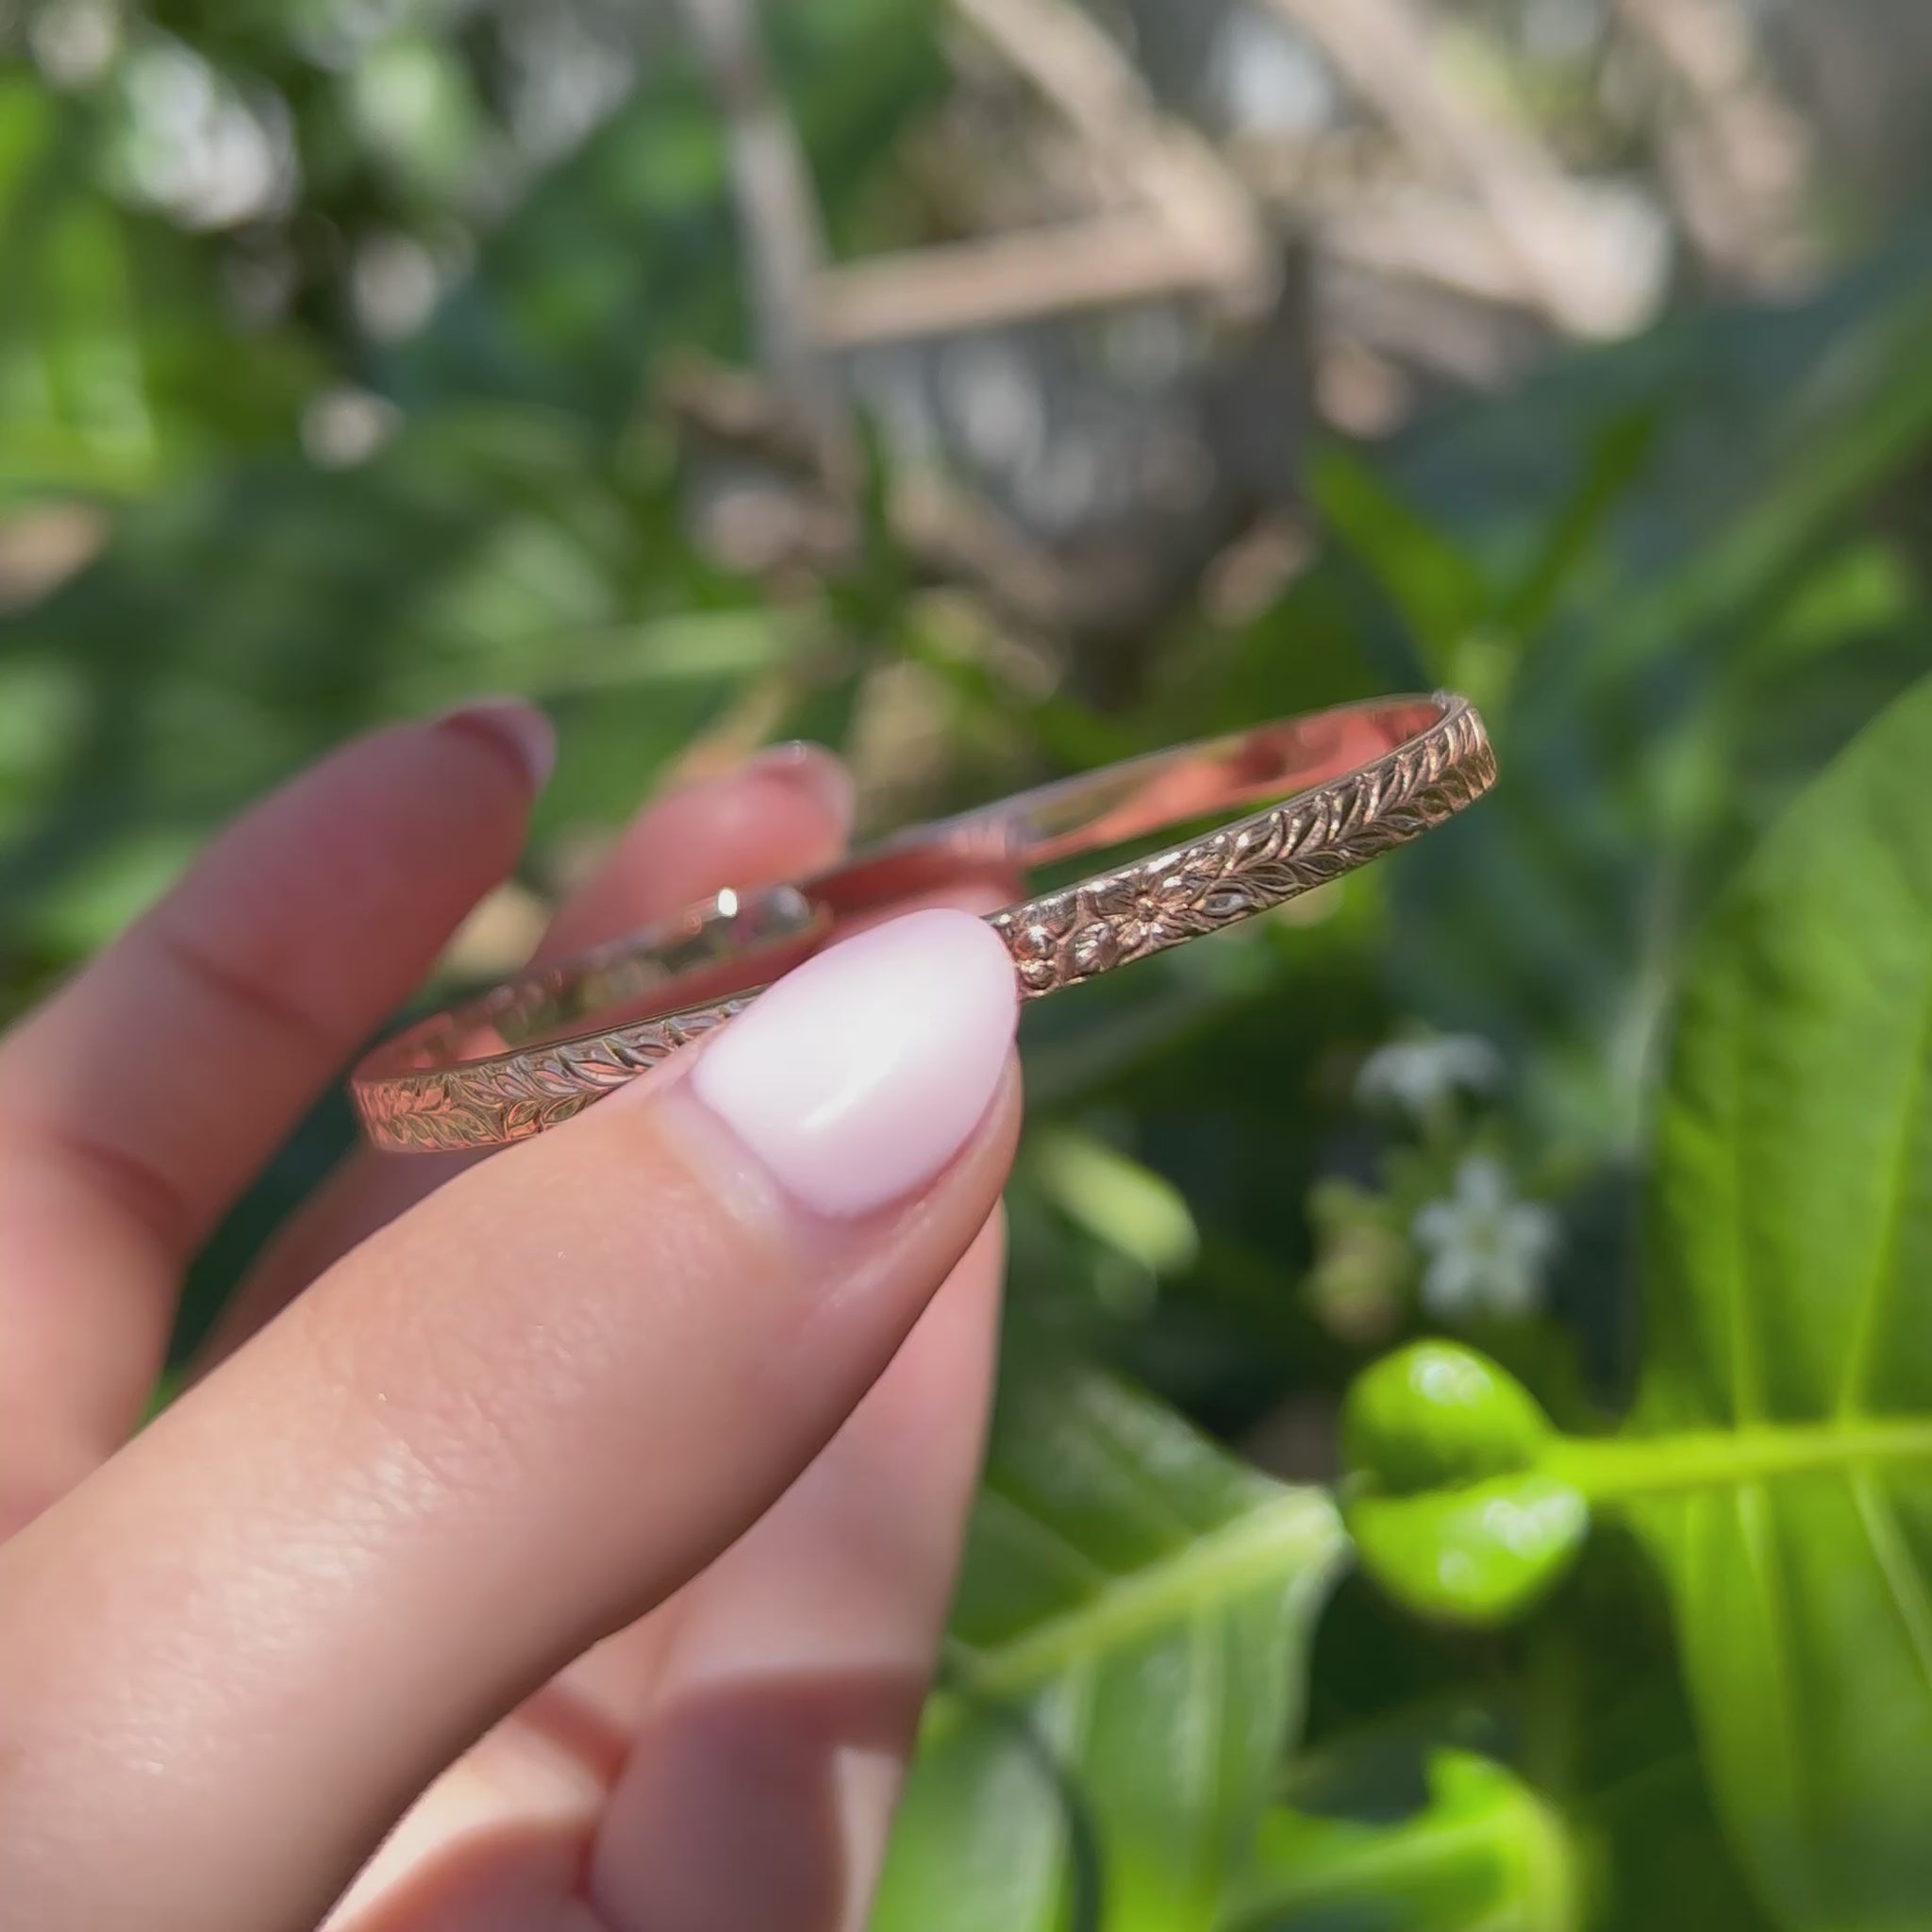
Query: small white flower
x=1488 y=1248
x=1418 y=1075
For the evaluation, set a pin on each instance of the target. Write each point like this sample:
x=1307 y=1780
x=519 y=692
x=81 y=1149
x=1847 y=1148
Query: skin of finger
x=771 y=1704
x=495 y=1433
x=135 y=1102
x=853 y=1565
x=505 y=1831
x=785 y=1709
x=783 y=816
x=778 y=818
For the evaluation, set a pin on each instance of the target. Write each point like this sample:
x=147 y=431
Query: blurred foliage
x=1453 y=1509
x=1130 y=1647
x=1558 y=1670
x=1484 y=1852
x=1784 y=1389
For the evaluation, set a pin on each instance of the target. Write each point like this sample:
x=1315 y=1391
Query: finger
x=502 y=1840
x=771 y=1702
x=500 y=1430
x=783 y=815
x=496 y=1830
x=137 y=1102
x=786 y=1705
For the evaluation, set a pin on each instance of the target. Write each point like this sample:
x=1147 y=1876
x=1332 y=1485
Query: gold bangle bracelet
x=1350 y=784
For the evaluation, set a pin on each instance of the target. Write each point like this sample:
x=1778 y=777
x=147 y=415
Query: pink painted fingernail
x=859 y=1075
x=518 y=728
x=811 y=769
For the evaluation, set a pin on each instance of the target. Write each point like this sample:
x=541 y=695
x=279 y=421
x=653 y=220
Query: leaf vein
x=1902 y=1583
x=1298 y=1531
x=1869 y=1310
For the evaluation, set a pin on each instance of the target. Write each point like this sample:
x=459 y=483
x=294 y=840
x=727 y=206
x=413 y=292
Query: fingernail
x=859 y=1076
x=511 y=725
x=812 y=770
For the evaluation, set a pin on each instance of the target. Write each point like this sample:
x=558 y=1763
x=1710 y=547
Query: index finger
x=785 y=813
x=141 y=1098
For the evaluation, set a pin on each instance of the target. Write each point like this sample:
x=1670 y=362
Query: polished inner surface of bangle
x=1138 y=799
x=623 y=980
x=738 y=940
x=1298 y=805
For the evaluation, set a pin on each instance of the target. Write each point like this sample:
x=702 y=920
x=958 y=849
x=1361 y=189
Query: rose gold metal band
x=1353 y=783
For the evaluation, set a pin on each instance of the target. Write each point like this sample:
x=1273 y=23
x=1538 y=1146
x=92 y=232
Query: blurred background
x=989 y=389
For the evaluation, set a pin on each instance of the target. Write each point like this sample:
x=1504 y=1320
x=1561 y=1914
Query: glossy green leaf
x=1129 y=1652
x=1778 y=1461
x=1785 y=1424
x=1485 y=1853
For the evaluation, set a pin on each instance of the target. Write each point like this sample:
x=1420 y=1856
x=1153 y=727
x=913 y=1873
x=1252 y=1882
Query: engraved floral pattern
x=1245 y=868
x=486 y=1103
x=1059 y=939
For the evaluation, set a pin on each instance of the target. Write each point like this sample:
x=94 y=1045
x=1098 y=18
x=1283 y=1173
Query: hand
x=585 y=1490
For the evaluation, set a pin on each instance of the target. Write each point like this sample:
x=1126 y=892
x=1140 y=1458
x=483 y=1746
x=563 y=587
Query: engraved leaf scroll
x=1059 y=939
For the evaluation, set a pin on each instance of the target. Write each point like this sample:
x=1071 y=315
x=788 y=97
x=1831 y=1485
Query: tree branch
x=1571 y=269
x=778 y=217
x=1212 y=220
x=1739 y=159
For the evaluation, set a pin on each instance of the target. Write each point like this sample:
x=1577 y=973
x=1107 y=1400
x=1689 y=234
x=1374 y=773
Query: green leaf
x=1786 y=1412
x=1130 y=1645
x=628 y=248
x=1778 y=1460
x=73 y=399
x=1117 y=1199
x=1613 y=467
x=117 y=362
x=1654 y=721
x=1448 y=1502
x=1599 y=1713
x=1485 y=1853
x=1442 y=596
x=228 y=632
